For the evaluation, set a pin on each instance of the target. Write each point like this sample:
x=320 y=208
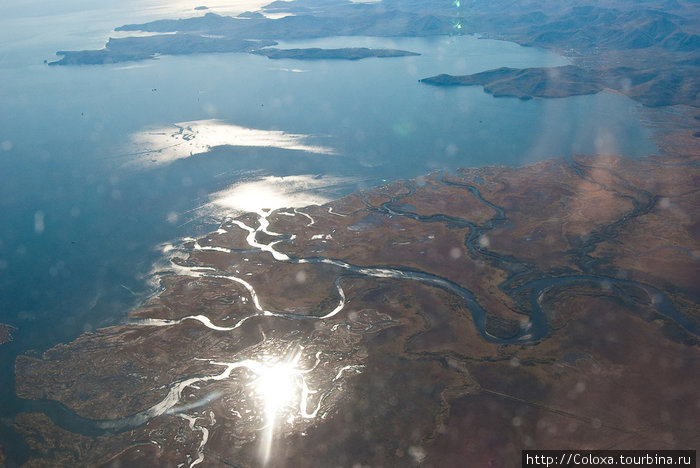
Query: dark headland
x=651 y=88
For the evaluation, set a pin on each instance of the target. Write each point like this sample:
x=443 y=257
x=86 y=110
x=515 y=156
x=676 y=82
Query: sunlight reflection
x=169 y=8
x=273 y=192
x=123 y=34
x=278 y=386
x=276 y=15
x=156 y=147
x=283 y=392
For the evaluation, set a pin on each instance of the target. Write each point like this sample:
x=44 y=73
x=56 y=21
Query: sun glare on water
x=278 y=385
x=159 y=146
x=281 y=389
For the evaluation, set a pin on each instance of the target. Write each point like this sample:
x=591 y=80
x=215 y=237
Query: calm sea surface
x=95 y=175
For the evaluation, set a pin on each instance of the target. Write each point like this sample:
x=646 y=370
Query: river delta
x=455 y=316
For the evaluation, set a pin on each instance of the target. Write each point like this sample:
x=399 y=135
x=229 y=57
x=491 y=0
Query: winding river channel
x=528 y=286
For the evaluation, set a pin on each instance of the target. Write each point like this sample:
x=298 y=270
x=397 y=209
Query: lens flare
x=280 y=386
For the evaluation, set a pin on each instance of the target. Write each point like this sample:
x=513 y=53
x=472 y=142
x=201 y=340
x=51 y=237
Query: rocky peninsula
x=526 y=83
x=653 y=88
x=149 y=47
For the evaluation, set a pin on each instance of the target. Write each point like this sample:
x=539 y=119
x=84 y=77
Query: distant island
x=349 y=53
x=649 y=52
x=142 y=48
x=149 y=47
x=653 y=88
x=251 y=32
x=5 y=333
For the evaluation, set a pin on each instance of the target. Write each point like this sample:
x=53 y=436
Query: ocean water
x=103 y=167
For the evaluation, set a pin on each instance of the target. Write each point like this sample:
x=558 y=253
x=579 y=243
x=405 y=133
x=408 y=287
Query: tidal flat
x=510 y=307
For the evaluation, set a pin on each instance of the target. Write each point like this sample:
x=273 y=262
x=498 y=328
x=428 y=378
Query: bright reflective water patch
x=160 y=146
x=272 y=192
